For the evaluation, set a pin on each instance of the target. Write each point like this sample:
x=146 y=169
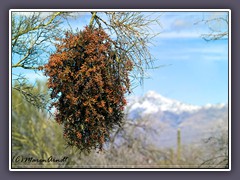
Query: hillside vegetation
x=37 y=136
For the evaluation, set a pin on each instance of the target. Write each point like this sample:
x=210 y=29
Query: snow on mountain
x=153 y=103
x=217 y=106
x=168 y=115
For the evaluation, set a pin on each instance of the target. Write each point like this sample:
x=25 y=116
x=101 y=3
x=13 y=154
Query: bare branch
x=22 y=85
x=218 y=27
x=30 y=26
x=133 y=35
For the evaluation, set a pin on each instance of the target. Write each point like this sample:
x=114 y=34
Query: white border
x=137 y=10
x=10 y=90
x=229 y=88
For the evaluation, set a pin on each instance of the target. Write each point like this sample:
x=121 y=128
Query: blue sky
x=194 y=71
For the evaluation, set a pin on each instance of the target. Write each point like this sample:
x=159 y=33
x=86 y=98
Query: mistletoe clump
x=88 y=80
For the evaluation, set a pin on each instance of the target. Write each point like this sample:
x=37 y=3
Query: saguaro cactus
x=178 y=145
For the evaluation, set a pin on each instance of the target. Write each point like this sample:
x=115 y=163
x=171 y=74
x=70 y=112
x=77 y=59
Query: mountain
x=168 y=115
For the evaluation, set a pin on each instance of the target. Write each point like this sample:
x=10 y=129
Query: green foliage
x=33 y=133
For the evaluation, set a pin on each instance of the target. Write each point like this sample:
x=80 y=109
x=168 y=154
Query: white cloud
x=28 y=14
x=183 y=24
x=214 y=58
x=46 y=14
x=180 y=23
x=217 y=14
x=175 y=34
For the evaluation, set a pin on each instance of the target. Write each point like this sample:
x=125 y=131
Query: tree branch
x=92 y=19
x=38 y=26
